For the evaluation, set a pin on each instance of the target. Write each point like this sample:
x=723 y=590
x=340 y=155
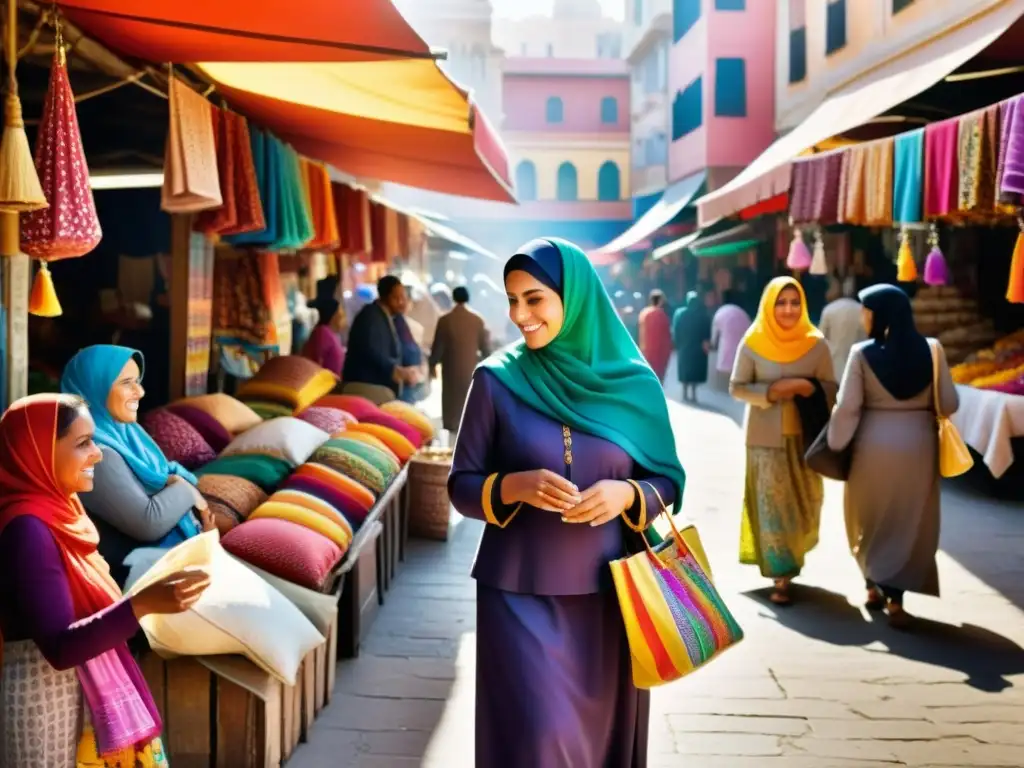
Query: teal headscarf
x=591 y=376
x=90 y=374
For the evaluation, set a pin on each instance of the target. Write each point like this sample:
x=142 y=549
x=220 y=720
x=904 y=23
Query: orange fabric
x=28 y=486
x=191 y=180
x=248 y=206
x=240 y=30
x=217 y=220
x=321 y=206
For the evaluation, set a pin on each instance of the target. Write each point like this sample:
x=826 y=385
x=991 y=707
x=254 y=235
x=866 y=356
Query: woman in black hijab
x=885 y=413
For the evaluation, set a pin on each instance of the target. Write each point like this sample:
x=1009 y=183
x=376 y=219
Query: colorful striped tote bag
x=675 y=619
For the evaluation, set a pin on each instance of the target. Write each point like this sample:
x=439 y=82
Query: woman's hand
x=172 y=594
x=172 y=479
x=540 y=488
x=206 y=518
x=602 y=502
x=787 y=389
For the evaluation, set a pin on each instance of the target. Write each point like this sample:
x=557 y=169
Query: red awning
x=185 y=31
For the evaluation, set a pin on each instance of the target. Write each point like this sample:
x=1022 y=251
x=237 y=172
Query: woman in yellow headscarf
x=783 y=357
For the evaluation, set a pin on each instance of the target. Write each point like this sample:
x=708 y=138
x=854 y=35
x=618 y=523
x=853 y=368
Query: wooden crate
x=359 y=603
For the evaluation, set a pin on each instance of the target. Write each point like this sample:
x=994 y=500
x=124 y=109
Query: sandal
x=876 y=600
x=898 y=618
x=780 y=595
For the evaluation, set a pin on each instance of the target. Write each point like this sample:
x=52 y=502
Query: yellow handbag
x=954 y=457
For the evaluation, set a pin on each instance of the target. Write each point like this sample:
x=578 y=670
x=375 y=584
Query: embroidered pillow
x=341 y=535
x=396 y=441
x=265 y=471
x=330 y=420
x=178 y=439
x=234 y=415
x=358 y=406
x=368 y=439
x=269 y=410
x=236 y=494
x=286 y=437
x=213 y=431
x=290 y=379
x=359 y=469
x=286 y=550
x=412 y=416
x=349 y=505
x=393 y=422
x=380 y=458
x=335 y=479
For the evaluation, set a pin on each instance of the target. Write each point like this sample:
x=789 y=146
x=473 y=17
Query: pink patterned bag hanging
x=70 y=226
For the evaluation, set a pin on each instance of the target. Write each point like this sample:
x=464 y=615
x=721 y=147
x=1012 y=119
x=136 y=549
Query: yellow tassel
x=43 y=302
x=1015 y=288
x=906 y=269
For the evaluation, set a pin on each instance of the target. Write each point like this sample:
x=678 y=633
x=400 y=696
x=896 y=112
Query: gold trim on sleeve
x=485 y=502
x=641 y=525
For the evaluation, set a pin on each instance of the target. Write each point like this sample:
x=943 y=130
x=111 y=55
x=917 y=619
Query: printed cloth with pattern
x=978 y=151
x=814 y=194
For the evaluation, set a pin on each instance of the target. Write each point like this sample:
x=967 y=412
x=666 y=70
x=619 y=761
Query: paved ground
x=818 y=685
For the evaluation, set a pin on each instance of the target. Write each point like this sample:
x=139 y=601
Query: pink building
x=721 y=86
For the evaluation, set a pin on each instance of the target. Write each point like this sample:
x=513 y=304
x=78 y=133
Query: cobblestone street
x=817 y=685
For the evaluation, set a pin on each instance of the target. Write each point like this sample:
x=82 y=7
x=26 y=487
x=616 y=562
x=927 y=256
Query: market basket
x=429 y=505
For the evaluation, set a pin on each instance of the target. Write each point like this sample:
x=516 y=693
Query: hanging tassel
x=1015 y=288
x=819 y=266
x=43 y=302
x=20 y=189
x=906 y=269
x=935 y=270
x=799 y=257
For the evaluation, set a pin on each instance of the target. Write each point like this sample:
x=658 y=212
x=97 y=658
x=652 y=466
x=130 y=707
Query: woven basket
x=429 y=505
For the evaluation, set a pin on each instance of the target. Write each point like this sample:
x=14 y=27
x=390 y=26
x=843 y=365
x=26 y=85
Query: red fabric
x=655 y=339
x=28 y=486
x=217 y=220
x=185 y=31
x=359 y=407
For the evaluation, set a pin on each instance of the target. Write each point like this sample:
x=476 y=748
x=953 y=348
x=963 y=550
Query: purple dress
x=554 y=685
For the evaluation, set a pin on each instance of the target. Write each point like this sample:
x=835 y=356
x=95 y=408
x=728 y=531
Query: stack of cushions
x=359 y=407
x=291 y=381
x=381 y=458
x=348 y=496
x=232 y=415
x=412 y=416
x=285 y=549
x=267 y=472
x=330 y=420
x=286 y=437
x=179 y=440
x=351 y=464
x=394 y=423
x=309 y=511
x=230 y=498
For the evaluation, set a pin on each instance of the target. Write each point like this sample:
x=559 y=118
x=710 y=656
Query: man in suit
x=460 y=342
x=373 y=361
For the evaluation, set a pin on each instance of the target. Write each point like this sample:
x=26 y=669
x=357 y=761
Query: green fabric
x=268 y=410
x=725 y=249
x=267 y=472
x=592 y=376
x=369 y=453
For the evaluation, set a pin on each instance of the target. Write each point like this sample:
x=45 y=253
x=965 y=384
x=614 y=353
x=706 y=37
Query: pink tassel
x=935 y=270
x=799 y=257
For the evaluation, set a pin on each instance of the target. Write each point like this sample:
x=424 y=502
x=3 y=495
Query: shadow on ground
x=984 y=657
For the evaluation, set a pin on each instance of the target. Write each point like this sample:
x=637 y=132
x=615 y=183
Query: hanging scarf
x=897 y=353
x=122 y=713
x=90 y=374
x=767 y=339
x=591 y=376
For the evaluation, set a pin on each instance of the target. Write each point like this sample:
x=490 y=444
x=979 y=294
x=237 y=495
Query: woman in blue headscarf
x=139 y=498
x=565 y=446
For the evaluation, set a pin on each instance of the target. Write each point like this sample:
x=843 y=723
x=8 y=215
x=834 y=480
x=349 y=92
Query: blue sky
x=512 y=9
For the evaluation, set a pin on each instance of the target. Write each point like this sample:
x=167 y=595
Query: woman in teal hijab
x=565 y=450
x=139 y=498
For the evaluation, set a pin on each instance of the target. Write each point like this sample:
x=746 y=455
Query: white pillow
x=239 y=613
x=319 y=607
x=285 y=437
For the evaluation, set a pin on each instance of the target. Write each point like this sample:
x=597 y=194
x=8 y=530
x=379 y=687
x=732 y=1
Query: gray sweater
x=126 y=515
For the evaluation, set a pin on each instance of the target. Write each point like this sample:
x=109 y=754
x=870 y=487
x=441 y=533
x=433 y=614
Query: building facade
x=576 y=29
x=648 y=39
x=721 y=85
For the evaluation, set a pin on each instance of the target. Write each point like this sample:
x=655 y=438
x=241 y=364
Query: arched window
x=608 y=183
x=567 y=182
x=526 y=180
x=609 y=110
x=554 y=110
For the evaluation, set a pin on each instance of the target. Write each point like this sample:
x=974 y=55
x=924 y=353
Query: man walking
x=840 y=323
x=460 y=342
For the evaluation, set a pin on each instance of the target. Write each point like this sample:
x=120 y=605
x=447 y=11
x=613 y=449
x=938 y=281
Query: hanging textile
x=200 y=315
x=814 y=190
x=978 y=150
x=191 y=182
x=275 y=300
x=248 y=207
x=1010 y=173
x=379 y=233
x=239 y=309
x=321 y=205
x=217 y=220
x=908 y=176
x=878 y=183
x=296 y=227
x=352 y=209
x=941 y=171
x=267 y=167
x=851 y=186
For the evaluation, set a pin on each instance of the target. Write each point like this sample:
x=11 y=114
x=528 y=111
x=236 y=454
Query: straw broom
x=20 y=189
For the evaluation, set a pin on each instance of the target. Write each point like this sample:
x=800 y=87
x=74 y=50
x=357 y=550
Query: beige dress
x=460 y=342
x=892 y=499
x=782 y=497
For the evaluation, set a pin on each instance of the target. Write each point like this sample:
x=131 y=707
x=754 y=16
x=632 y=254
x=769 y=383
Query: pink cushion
x=405 y=429
x=358 y=406
x=330 y=420
x=285 y=549
x=178 y=439
x=213 y=431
